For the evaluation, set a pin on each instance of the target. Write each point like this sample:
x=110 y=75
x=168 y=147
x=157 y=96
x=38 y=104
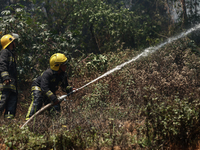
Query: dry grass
x=121 y=110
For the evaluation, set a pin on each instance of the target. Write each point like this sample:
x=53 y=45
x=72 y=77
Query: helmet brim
x=65 y=63
x=8 y=44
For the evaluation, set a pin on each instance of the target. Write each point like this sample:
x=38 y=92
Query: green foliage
x=158 y=95
x=90 y=65
x=171 y=122
x=36 y=43
x=15 y=138
x=98 y=96
x=74 y=28
x=96 y=63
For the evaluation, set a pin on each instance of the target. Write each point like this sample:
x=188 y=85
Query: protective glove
x=69 y=89
x=6 y=82
x=55 y=101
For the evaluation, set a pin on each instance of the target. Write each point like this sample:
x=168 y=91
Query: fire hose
x=60 y=99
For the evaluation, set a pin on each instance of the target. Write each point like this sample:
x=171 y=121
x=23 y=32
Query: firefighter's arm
x=66 y=87
x=45 y=82
x=4 y=66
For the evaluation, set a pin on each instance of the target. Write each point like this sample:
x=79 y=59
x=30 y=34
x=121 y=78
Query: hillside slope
x=152 y=103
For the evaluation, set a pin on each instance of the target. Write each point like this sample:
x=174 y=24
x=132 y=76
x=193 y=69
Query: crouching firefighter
x=44 y=87
x=8 y=77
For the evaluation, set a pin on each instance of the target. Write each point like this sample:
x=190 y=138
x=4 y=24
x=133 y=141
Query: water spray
x=145 y=53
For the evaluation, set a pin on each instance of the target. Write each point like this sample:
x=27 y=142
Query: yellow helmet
x=6 y=40
x=56 y=60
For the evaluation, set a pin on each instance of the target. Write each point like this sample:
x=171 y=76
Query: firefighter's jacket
x=49 y=81
x=8 y=69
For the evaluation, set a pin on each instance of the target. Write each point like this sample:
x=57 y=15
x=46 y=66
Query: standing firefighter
x=44 y=87
x=8 y=79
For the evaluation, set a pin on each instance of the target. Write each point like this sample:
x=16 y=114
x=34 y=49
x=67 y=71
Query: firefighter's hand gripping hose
x=60 y=99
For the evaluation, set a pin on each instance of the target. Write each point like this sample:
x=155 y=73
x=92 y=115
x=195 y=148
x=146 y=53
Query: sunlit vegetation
x=152 y=103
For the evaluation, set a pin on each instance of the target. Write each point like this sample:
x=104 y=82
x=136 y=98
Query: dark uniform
x=8 y=93
x=43 y=90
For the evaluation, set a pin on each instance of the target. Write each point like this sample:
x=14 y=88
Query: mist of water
x=145 y=53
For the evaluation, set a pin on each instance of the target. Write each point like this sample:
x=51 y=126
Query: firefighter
x=44 y=87
x=8 y=79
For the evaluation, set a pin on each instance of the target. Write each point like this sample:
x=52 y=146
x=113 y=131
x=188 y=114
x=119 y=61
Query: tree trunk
x=184 y=21
x=95 y=43
x=195 y=7
x=169 y=11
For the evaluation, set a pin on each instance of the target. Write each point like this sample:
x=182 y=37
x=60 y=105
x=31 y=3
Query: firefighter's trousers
x=8 y=101
x=38 y=99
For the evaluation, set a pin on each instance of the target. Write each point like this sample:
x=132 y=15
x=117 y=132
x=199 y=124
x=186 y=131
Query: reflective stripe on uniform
x=9 y=86
x=30 y=107
x=49 y=93
x=35 y=88
x=5 y=73
x=29 y=110
x=11 y=59
x=0 y=94
x=9 y=116
x=68 y=87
